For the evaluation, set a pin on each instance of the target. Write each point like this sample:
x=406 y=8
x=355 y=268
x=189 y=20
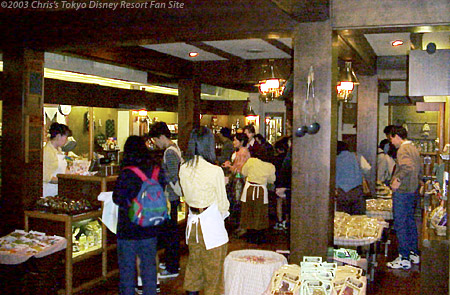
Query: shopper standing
x=349 y=177
x=160 y=135
x=255 y=198
x=405 y=185
x=203 y=185
x=133 y=240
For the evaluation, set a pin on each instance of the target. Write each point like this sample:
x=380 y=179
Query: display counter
x=75 y=186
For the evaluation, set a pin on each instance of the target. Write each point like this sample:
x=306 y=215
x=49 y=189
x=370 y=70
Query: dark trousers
x=351 y=202
x=170 y=238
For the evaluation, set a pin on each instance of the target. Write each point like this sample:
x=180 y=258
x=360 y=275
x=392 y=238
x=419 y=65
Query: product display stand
x=69 y=221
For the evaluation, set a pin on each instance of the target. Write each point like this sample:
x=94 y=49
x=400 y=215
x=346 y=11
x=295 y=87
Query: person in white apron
x=254 y=198
x=203 y=185
x=54 y=161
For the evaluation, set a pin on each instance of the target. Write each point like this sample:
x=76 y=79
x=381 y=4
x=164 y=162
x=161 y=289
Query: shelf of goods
x=75 y=251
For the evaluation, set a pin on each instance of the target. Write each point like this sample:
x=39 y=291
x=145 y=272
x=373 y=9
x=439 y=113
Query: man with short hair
x=405 y=184
x=160 y=135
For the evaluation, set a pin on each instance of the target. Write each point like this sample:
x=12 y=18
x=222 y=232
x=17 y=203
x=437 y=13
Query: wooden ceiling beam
x=280 y=45
x=353 y=46
x=140 y=58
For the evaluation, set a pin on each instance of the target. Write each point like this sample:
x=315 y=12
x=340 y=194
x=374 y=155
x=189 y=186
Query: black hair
x=242 y=137
x=61 y=129
x=260 y=138
x=225 y=131
x=136 y=153
x=282 y=144
x=341 y=146
x=400 y=131
x=158 y=129
x=201 y=143
x=250 y=128
x=387 y=129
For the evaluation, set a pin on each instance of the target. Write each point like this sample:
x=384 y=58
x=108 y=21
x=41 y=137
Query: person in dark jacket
x=133 y=240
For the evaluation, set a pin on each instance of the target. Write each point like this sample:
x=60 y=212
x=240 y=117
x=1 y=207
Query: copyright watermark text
x=76 y=5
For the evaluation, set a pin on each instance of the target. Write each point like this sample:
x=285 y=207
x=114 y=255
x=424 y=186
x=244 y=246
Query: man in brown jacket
x=405 y=183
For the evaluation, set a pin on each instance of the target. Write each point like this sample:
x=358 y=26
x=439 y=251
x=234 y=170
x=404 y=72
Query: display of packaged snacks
x=19 y=245
x=356 y=226
x=63 y=205
x=379 y=205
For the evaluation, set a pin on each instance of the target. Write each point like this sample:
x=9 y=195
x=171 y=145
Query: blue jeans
x=404 y=223
x=127 y=251
x=170 y=238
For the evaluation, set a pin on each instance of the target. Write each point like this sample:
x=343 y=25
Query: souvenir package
x=379 y=205
x=315 y=277
x=19 y=245
x=352 y=286
x=346 y=253
x=286 y=280
x=356 y=226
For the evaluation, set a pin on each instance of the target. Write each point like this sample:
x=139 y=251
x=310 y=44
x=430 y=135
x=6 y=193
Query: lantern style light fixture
x=347 y=82
x=271 y=88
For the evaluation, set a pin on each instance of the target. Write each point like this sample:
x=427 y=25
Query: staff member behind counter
x=54 y=161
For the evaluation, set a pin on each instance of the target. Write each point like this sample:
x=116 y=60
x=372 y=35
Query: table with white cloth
x=248 y=272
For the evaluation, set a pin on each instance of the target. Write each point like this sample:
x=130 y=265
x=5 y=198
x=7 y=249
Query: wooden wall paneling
x=22 y=125
x=366 y=130
x=188 y=109
x=312 y=167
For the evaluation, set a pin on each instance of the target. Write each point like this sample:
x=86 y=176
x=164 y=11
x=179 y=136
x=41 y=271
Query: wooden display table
x=70 y=260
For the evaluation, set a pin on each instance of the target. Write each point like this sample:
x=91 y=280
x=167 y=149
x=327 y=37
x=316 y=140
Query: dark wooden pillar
x=188 y=109
x=21 y=152
x=367 y=123
x=313 y=169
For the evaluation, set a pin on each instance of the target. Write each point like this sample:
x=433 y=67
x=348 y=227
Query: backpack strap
x=155 y=173
x=141 y=174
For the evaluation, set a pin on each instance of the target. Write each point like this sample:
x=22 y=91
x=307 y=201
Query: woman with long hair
x=133 y=240
x=203 y=185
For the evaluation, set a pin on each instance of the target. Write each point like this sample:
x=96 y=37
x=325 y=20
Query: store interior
x=222 y=89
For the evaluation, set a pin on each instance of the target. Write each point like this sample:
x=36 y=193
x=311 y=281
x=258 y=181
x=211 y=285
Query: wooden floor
x=386 y=282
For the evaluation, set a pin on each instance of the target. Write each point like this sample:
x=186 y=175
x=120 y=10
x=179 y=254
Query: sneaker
x=278 y=226
x=162 y=265
x=164 y=274
x=399 y=263
x=414 y=258
x=139 y=290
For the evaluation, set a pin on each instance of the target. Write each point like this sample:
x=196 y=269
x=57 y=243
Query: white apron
x=255 y=192
x=213 y=227
x=51 y=189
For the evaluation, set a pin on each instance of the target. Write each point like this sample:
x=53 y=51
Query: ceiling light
x=255 y=50
x=347 y=82
x=271 y=88
x=193 y=54
x=397 y=43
